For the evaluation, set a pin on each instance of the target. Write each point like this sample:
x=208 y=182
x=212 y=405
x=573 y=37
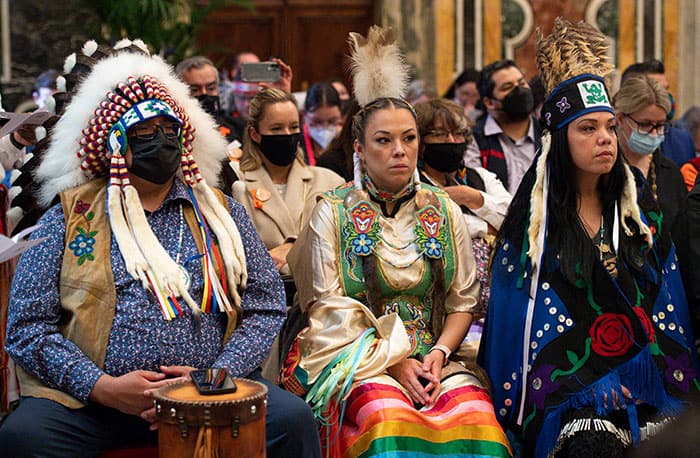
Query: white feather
x=61 y=84
x=630 y=208
x=141 y=45
x=123 y=43
x=69 y=63
x=135 y=263
x=89 y=48
x=51 y=104
x=14 y=215
x=40 y=133
x=538 y=202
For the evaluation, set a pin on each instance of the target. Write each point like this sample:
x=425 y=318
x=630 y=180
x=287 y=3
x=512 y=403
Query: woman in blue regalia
x=587 y=340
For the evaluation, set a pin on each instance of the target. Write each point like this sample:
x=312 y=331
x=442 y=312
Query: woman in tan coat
x=277 y=188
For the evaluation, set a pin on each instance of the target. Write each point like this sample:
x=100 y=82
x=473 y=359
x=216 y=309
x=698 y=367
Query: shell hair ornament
x=118 y=88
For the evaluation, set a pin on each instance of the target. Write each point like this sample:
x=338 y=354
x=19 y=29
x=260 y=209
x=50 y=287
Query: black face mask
x=155 y=160
x=444 y=157
x=280 y=149
x=518 y=103
x=210 y=103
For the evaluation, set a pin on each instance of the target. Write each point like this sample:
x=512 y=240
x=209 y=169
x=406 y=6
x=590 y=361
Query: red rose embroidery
x=646 y=323
x=611 y=334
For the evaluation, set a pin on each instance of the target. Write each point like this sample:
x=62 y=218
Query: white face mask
x=323 y=135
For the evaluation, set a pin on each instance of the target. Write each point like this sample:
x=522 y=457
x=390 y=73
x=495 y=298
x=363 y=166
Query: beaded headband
x=142 y=111
x=574 y=98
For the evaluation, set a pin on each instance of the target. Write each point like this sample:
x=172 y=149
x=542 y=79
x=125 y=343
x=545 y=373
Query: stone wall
x=42 y=34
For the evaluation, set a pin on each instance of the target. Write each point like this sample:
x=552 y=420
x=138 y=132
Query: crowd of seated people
x=363 y=246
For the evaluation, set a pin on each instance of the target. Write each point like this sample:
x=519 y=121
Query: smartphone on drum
x=260 y=72
x=213 y=381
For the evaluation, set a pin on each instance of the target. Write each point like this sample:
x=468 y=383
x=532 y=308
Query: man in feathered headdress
x=145 y=272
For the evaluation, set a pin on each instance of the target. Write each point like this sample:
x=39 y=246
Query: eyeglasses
x=443 y=136
x=648 y=127
x=148 y=131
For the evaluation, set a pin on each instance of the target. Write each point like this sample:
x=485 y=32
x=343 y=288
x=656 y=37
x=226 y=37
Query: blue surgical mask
x=644 y=143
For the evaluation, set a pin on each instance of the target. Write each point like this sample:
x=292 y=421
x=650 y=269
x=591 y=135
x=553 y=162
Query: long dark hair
x=568 y=244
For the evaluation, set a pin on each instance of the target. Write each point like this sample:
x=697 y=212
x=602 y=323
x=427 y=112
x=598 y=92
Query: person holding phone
x=145 y=274
x=257 y=78
x=384 y=271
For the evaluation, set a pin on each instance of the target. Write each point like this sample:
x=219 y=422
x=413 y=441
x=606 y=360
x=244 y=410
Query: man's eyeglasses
x=148 y=132
x=649 y=127
x=443 y=136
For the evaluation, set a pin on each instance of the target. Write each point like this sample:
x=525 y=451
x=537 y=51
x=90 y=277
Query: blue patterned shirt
x=140 y=338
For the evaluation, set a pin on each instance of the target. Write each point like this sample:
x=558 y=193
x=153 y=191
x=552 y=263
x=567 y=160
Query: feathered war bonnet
x=573 y=65
x=116 y=86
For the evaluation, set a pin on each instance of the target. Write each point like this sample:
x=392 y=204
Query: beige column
x=687 y=91
x=444 y=44
x=426 y=33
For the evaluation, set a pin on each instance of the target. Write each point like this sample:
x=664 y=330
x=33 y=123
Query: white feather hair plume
x=377 y=66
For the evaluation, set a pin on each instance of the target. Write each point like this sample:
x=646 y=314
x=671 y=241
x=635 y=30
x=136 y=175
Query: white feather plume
x=538 y=203
x=630 y=209
x=51 y=104
x=377 y=66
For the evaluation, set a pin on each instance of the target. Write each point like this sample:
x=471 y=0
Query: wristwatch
x=444 y=349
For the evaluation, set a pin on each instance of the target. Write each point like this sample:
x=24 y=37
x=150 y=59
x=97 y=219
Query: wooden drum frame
x=211 y=426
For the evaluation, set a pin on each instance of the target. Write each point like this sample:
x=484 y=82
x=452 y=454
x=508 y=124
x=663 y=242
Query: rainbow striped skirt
x=380 y=420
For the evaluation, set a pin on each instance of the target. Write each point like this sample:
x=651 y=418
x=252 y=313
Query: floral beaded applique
x=362 y=229
x=430 y=233
x=84 y=241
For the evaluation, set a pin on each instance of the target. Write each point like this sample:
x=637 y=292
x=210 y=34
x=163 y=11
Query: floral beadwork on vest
x=83 y=243
x=362 y=228
x=430 y=232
